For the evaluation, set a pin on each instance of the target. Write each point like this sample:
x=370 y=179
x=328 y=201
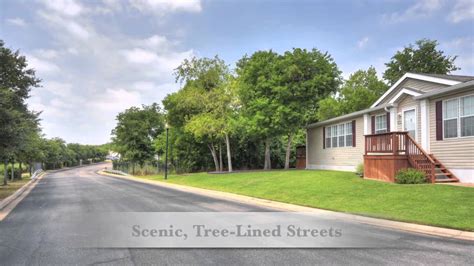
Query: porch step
x=443 y=174
x=447 y=180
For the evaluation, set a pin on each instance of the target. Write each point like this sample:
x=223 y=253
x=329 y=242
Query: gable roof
x=423 y=77
x=447 y=90
x=460 y=78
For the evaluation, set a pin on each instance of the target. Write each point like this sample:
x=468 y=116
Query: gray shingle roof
x=460 y=78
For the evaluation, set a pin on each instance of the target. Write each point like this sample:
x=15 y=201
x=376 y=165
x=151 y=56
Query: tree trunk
x=21 y=169
x=229 y=158
x=221 y=164
x=288 y=151
x=5 y=176
x=267 y=165
x=30 y=168
x=214 y=156
x=12 y=174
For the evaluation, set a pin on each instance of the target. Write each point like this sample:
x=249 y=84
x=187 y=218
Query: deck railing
x=400 y=143
x=390 y=142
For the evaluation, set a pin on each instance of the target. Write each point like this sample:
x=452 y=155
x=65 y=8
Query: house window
x=349 y=134
x=380 y=124
x=467 y=116
x=450 y=119
x=340 y=130
x=328 y=137
x=339 y=135
x=458 y=117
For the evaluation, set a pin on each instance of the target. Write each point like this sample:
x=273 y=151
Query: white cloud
x=16 y=22
x=161 y=7
x=463 y=47
x=43 y=67
x=46 y=53
x=463 y=10
x=421 y=9
x=100 y=71
x=140 y=56
x=363 y=42
x=66 y=24
x=57 y=88
x=64 y=7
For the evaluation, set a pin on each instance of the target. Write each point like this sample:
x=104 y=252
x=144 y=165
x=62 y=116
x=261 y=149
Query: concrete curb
x=9 y=203
x=403 y=226
x=16 y=194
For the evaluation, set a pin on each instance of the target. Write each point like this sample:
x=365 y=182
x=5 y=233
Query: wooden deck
x=387 y=153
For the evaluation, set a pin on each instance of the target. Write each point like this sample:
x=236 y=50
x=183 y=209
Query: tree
x=422 y=58
x=306 y=76
x=202 y=106
x=135 y=131
x=359 y=92
x=261 y=109
x=16 y=81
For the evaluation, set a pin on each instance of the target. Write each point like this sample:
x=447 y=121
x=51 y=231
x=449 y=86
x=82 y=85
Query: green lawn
x=439 y=205
x=12 y=186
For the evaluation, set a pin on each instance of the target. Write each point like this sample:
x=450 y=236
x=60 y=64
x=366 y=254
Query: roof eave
x=448 y=90
x=349 y=116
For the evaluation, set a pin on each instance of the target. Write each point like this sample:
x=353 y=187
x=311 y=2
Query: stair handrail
x=426 y=155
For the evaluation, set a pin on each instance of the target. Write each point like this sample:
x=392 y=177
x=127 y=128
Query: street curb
x=403 y=226
x=6 y=201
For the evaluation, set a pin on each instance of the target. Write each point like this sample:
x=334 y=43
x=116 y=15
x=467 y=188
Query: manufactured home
x=423 y=121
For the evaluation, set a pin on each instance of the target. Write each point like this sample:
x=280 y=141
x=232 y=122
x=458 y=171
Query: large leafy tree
x=259 y=88
x=135 y=131
x=423 y=57
x=306 y=76
x=202 y=106
x=359 y=92
x=16 y=81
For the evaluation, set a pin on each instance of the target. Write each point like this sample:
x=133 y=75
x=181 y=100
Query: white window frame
x=458 y=118
x=333 y=129
x=328 y=136
x=386 y=126
x=416 y=119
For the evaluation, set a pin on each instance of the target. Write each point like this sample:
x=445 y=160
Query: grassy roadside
x=438 y=205
x=12 y=186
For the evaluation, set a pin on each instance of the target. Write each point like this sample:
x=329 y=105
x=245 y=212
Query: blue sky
x=97 y=58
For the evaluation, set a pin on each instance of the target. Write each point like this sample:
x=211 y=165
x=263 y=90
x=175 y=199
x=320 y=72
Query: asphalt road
x=31 y=233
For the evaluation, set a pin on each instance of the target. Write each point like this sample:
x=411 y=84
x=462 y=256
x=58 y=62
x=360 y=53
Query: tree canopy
x=359 y=92
x=423 y=57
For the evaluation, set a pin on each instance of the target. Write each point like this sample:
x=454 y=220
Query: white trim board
x=414 y=76
x=404 y=91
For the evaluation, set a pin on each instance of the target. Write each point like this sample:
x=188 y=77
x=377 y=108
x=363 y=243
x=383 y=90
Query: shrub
x=360 y=169
x=410 y=176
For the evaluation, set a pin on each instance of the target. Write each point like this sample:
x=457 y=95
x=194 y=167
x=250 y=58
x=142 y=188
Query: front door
x=409 y=122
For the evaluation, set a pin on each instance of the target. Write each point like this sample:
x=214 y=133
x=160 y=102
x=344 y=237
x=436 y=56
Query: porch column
x=393 y=118
x=366 y=124
x=425 y=126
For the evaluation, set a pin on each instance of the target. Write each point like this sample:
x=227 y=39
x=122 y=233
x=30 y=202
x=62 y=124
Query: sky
x=98 y=57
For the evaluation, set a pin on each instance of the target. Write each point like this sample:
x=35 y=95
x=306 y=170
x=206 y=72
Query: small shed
x=301 y=157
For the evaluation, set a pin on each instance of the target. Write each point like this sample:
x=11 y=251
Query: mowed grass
x=439 y=205
x=12 y=186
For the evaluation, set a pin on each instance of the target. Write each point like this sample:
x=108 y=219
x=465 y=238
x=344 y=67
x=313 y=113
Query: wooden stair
x=419 y=159
x=443 y=175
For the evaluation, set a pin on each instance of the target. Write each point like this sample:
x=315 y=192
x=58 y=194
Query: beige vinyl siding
x=340 y=156
x=452 y=152
x=409 y=83
x=405 y=104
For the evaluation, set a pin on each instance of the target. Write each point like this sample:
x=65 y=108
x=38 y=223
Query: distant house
x=424 y=121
